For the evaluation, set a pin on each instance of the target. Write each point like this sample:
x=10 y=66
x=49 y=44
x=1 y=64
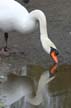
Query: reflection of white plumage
x=44 y=79
x=17 y=87
x=14 y=17
x=14 y=89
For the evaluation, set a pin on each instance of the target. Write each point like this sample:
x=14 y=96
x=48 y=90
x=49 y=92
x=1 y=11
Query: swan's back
x=10 y=13
x=7 y=6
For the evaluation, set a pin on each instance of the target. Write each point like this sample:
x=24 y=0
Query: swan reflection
x=49 y=89
x=17 y=87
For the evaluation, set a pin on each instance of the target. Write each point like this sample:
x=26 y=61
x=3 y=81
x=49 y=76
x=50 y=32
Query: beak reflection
x=53 y=69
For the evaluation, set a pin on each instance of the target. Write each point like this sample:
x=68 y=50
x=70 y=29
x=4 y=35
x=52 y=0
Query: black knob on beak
x=56 y=51
x=26 y=1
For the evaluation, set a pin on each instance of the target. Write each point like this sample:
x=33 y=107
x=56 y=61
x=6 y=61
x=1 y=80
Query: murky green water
x=27 y=86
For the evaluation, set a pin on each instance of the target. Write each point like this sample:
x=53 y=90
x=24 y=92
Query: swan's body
x=14 y=17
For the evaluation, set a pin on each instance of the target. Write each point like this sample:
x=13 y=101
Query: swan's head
x=26 y=1
x=50 y=48
x=54 y=54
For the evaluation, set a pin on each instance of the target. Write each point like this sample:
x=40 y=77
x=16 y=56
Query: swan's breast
x=26 y=25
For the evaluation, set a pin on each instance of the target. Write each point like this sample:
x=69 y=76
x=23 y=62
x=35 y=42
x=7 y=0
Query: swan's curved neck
x=38 y=15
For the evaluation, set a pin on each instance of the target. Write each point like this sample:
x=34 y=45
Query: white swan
x=14 y=17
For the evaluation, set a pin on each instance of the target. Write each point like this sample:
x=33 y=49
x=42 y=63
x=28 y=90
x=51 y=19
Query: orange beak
x=54 y=56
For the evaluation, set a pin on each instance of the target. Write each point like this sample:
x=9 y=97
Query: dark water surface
x=31 y=82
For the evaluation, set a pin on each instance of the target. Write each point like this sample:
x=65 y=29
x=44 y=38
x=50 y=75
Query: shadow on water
x=34 y=86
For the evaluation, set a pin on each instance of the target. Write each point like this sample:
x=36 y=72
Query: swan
x=15 y=17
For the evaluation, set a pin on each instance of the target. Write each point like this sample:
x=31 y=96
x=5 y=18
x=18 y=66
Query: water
x=31 y=83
